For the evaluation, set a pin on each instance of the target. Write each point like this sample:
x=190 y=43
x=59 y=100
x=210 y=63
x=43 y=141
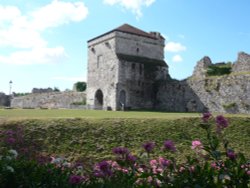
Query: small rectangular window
x=141 y=69
x=133 y=66
x=99 y=60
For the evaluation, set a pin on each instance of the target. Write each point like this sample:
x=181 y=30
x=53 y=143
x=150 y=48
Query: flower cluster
x=169 y=145
x=221 y=123
x=149 y=146
x=210 y=168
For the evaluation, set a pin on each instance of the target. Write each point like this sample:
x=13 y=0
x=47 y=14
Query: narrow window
x=99 y=60
x=140 y=69
x=133 y=66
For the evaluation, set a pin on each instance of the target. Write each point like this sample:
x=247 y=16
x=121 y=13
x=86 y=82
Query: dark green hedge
x=219 y=69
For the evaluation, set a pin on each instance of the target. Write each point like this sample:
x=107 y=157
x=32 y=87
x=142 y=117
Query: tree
x=56 y=89
x=80 y=86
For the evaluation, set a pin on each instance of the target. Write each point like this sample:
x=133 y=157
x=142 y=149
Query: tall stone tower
x=125 y=66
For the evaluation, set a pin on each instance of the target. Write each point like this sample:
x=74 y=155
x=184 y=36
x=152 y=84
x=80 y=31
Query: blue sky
x=44 y=43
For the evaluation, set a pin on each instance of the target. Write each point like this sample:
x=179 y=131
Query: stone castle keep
x=126 y=69
x=123 y=67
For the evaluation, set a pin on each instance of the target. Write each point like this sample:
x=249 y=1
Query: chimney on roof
x=156 y=35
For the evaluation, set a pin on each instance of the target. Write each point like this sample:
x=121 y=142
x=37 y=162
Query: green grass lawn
x=66 y=113
x=91 y=135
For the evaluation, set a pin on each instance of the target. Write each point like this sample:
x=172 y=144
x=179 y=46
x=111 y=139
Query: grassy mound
x=93 y=139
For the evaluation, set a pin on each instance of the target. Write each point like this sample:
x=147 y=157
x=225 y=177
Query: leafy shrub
x=229 y=106
x=219 y=69
x=80 y=86
x=79 y=103
x=214 y=164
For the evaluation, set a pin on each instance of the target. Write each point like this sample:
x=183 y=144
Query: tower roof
x=126 y=28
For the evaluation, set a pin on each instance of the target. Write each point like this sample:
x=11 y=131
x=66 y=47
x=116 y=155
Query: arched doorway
x=98 y=99
x=122 y=99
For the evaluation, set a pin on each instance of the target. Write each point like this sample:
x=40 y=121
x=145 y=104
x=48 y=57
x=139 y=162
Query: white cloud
x=177 y=58
x=174 y=47
x=24 y=31
x=134 y=5
x=9 y=13
x=64 y=78
x=35 y=56
x=58 y=13
x=19 y=37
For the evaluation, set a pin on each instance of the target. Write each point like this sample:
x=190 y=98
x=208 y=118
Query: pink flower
x=164 y=162
x=140 y=170
x=192 y=169
x=248 y=172
x=149 y=179
x=196 y=144
x=181 y=169
x=153 y=162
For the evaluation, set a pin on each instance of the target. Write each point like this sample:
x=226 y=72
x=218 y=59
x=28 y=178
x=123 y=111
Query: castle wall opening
x=122 y=99
x=99 y=100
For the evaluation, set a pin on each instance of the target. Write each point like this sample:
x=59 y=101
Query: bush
x=220 y=69
x=80 y=86
x=229 y=106
x=79 y=103
x=214 y=164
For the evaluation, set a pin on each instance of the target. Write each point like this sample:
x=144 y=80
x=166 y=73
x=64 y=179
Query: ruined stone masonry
x=126 y=69
x=228 y=93
x=49 y=100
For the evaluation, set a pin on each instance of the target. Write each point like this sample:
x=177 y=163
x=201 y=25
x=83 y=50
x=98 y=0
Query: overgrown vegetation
x=219 y=69
x=210 y=161
x=93 y=139
x=80 y=86
x=229 y=106
x=79 y=103
x=20 y=94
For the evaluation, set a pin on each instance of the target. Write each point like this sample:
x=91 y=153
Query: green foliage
x=219 y=69
x=20 y=94
x=28 y=173
x=211 y=163
x=81 y=86
x=229 y=106
x=56 y=89
x=94 y=138
x=96 y=114
x=79 y=103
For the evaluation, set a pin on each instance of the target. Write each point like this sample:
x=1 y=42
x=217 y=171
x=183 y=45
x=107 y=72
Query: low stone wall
x=50 y=100
x=223 y=94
